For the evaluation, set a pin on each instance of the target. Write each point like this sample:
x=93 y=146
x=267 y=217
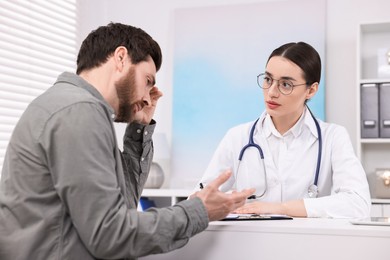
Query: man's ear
x=120 y=55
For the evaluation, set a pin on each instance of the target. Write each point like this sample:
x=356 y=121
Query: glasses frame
x=278 y=85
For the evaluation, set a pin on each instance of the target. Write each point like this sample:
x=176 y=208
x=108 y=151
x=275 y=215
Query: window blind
x=37 y=43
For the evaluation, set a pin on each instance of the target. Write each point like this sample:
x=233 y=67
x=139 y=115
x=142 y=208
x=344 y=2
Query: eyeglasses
x=285 y=86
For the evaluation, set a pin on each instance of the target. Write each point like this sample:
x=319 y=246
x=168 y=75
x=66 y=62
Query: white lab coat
x=342 y=183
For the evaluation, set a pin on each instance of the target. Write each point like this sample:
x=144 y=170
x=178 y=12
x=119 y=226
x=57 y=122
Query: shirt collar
x=305 y=121
x=78 y=81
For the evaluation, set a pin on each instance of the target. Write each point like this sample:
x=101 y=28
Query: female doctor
x=299 y=165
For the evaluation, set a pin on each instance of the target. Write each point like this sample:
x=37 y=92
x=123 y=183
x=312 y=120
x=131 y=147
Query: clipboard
x=246 y=217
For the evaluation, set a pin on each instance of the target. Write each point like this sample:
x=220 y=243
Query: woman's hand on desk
x=220 y=204
x=294 y=208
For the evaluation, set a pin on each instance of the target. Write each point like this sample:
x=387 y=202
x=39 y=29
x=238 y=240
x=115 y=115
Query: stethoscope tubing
x=251 y=143
x=319 y=155
x=313 y=189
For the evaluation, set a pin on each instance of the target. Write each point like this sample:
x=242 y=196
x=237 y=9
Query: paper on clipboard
x=238 y=217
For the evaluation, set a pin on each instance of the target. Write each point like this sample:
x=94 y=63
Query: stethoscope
x=312 y=191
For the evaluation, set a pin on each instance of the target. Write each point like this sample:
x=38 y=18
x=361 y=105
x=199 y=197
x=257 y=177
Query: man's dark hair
x=101 y=43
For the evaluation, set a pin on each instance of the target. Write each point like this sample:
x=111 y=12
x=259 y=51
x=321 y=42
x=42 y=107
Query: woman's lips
x=272 y=105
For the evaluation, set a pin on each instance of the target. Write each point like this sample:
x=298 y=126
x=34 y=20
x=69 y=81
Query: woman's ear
x=312 y=90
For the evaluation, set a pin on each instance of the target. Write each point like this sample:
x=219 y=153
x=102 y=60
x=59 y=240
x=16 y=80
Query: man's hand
x=219 y=204
x=145 y=115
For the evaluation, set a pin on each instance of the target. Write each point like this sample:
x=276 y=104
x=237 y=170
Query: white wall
x=156 y=18
x=343 y=19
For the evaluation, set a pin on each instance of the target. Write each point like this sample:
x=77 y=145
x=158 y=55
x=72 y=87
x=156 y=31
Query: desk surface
x=299 y=238
x=303 y=226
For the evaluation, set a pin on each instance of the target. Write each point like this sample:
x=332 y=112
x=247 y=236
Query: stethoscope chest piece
x=313 y=191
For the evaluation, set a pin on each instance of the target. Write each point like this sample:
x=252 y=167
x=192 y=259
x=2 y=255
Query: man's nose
x=146 y=100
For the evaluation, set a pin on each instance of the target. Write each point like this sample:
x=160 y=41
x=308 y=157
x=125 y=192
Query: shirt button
x=138 y=130
x=146 y=133
x=142 y=159
x=113 y=116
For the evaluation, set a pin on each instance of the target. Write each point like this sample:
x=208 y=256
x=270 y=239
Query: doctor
x=299 y=165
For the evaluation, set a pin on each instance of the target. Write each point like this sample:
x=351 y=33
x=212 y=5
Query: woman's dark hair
x=305 y=56
x=101 y=43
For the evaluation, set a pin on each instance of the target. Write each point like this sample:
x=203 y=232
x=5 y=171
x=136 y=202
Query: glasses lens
x=285 y=86
x=264 y=81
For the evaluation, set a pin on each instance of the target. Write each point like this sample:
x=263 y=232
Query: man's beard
x=125 y=89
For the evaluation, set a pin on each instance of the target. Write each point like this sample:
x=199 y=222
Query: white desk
x=312 y=239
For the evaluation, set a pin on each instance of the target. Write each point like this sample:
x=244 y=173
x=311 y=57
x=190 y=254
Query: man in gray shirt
x=67 y=191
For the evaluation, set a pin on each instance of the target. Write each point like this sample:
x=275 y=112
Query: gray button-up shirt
x=67 y=192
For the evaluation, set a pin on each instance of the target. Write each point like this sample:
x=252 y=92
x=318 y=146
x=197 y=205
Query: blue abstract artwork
x=218 y=52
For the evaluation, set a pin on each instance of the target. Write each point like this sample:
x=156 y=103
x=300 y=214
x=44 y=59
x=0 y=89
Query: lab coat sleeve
x=350 y=196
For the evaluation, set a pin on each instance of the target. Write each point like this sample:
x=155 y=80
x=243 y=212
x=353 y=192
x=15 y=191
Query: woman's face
x=286 y=106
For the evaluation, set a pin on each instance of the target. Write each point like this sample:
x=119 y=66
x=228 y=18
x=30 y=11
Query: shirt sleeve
x=350 y=196
x=79 y=147
x=138 y=155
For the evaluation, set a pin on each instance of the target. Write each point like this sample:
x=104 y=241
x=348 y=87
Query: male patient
x=67 y=191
